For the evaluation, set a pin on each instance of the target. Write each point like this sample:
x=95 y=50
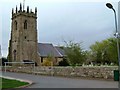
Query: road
x=61 y=82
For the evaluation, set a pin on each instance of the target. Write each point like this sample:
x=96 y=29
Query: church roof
x=46 y=49
x=60 y=50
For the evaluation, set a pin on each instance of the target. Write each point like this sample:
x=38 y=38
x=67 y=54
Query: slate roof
x=45 y=49
x=60 y=50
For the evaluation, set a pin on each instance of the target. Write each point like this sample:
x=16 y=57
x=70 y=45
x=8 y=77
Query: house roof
x=45 y=49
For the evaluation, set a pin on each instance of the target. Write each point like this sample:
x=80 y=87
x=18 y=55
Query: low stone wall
x=87 y=72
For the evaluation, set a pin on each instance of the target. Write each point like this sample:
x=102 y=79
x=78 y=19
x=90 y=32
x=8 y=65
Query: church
x=23 y=43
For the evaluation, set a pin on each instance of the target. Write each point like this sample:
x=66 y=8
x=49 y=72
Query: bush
x=47 y=62
x=63 y=63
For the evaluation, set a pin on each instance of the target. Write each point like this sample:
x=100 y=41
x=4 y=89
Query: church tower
x=23 y=42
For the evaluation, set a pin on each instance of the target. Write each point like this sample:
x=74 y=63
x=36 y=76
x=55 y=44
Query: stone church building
x=23 y=44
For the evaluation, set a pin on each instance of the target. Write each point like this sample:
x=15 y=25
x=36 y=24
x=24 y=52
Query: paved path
x=60 y=82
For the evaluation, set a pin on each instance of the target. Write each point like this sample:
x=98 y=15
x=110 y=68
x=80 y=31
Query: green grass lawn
x=9 y=83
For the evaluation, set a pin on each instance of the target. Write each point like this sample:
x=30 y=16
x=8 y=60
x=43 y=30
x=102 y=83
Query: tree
x=113 y=54
x=75 y=54
x=105 y=51
x=4 y=60
x=96 y=52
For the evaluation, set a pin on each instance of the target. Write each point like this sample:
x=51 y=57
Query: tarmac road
x=61 y=82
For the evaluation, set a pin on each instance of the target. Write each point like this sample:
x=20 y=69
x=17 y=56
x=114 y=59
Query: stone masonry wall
x=87 y=72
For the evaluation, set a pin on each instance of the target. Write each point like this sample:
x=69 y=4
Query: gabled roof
x=45 y=49
x=60 y=50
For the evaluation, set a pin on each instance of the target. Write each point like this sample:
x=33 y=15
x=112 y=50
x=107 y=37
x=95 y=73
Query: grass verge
x=10 y=83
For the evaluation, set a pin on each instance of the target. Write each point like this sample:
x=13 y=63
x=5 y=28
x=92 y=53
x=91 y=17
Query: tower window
x=15 y=25
x=25 y=37
x=25 y=24
x=15 y=51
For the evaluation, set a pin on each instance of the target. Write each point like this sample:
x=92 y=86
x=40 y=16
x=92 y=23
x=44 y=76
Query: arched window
x=15 y=25
x=25 y=24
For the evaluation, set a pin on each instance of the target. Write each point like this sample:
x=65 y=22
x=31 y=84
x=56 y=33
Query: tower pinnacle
x=16 y=9
x=12 y=11
x=20 y=7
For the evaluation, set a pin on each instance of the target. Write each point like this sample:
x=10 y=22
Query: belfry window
x=15 y=25
x=25 y=24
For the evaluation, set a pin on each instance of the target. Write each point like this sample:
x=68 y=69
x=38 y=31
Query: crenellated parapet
x=24 y=12
x=23 y=41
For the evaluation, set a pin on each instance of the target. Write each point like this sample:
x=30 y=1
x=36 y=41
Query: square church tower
x=23 y=42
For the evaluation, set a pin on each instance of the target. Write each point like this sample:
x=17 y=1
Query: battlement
x=24 y=12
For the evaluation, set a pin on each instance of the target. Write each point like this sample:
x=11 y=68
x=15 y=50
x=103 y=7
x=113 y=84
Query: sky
x=59 y=20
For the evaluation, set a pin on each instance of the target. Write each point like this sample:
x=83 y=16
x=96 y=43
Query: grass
x=10 y=83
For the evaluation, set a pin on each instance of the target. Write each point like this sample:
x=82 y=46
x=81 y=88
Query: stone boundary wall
x=102 y=72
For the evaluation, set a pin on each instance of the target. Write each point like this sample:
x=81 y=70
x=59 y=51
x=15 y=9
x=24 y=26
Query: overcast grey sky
x=58 y=20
